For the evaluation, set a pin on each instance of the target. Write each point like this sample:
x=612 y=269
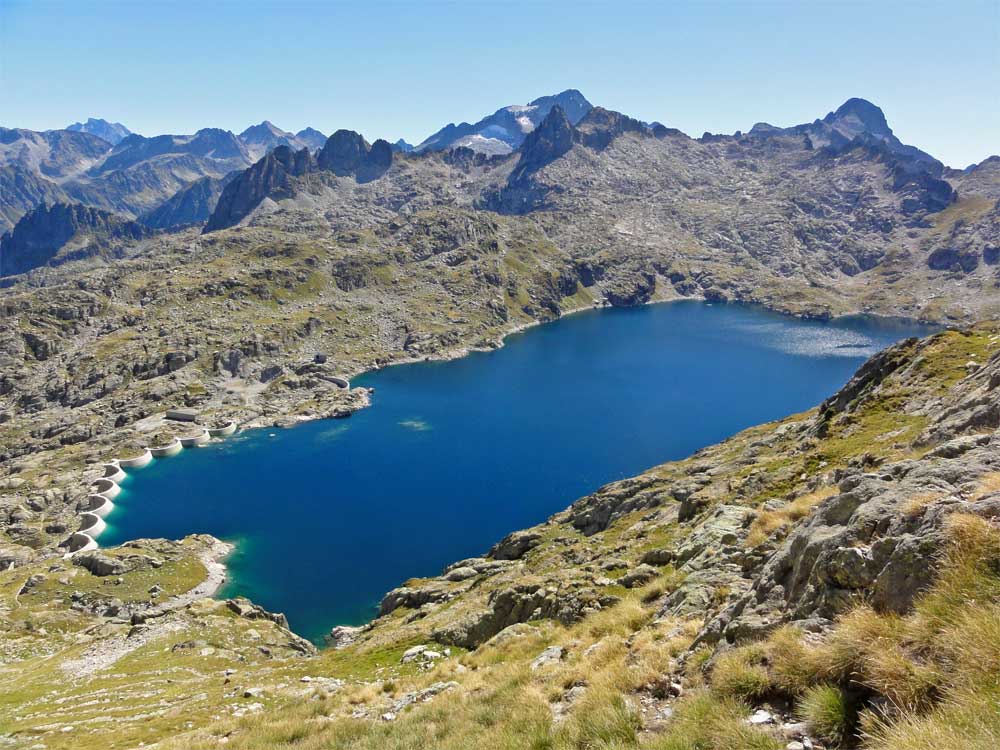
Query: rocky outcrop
x=515 y=545
x=268 y=178
x=100 y=564
x=346 y=153
x=434 y=592
x=523 y=603
x=953 y=259
x=553 y=138
x=601 y=126
x=546 y=143
x=62 y=232
x=869 y=377
x=872 y=542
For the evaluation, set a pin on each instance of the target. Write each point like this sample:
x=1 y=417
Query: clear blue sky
x=404 y=69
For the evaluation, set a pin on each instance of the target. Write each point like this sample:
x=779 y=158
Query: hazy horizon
x=393 y=70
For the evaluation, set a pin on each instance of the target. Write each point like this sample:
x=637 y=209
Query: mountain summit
x=853 y=122
x=259 y=139
x=505 y=130
x=856 y=116
x=112 y=132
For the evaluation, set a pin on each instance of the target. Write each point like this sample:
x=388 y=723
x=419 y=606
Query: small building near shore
x=182 y=415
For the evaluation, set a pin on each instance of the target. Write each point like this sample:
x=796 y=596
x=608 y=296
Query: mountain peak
x=112 y=132
x=265 y=130
x=859 y=115
x=553 y=137
x=571 y=101
x=311 y=137
x=505 y=130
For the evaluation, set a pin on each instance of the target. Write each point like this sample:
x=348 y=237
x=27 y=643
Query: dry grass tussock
x=894 y=681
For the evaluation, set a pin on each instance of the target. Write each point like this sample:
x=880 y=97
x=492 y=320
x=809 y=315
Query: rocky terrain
x=752 y=577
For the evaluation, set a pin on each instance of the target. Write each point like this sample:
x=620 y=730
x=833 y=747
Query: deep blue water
x=454 y=455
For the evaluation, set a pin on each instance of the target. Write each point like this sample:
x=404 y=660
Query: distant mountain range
x=175 y=180
x=557 y=153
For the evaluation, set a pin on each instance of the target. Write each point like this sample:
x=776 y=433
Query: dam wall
x=136 y=462
x=80 y=542
x=99 y=502
x=99 y=505
x=107 y=487
x=170 y=449
x=113 y=471
x=201 y=438
x=225 y=430
x=91 y=524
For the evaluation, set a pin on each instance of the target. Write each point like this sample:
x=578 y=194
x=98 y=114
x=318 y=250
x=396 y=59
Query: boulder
x=638 y=576
x=100 y=564
x=414 y=598
x=250 y=611
x=551 y=655
x=343 y=636
x=460 y=574
x=657 y=557
x=514 y=546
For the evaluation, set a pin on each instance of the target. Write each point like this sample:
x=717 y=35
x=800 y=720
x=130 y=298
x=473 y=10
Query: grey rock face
x=269 y=177
x=343 y=153
x=518 y=604
x=862 y=544
x=40 y=237
x=346 y=153
x=250 y=611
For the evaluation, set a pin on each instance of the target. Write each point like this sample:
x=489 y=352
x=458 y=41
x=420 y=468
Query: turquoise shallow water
x=453 y=455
